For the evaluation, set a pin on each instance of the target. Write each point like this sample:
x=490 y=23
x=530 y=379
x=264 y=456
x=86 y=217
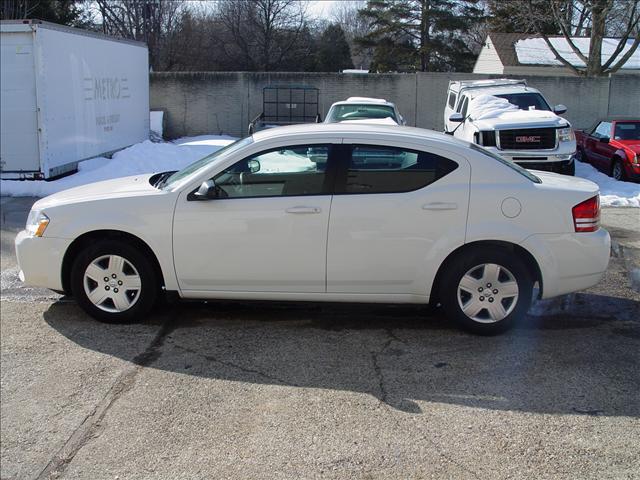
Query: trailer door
x=19 y=150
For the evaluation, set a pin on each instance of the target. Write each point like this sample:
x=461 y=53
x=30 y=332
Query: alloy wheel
x=112 y=283
x=487 y=293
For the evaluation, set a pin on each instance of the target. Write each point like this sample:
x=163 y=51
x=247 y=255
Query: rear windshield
x=340 y=113
x=627 y=131
x=511 y=165
x=526 y=101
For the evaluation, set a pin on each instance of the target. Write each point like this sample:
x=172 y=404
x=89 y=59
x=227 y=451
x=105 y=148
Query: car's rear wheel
x=617 y=170
x=487 y=291
x=114 y=282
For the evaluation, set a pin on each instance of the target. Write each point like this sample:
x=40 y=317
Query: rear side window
x=452 y=100
x=376 y=169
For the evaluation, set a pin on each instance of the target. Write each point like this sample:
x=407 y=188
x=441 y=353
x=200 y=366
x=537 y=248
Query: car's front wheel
x=114 y=282
x=617 y=170
x=487 y=291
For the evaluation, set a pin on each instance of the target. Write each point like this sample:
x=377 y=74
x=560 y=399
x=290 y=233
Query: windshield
x=511 y=165
x=526 y=101
x=206 y=161
x=340 y=113
x=627 y=131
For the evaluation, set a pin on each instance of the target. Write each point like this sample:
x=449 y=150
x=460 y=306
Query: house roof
x=518 y=49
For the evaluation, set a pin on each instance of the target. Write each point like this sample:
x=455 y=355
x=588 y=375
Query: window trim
x=344 y=160
x=328 y=185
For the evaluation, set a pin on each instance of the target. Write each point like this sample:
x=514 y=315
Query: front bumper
x=556 y=160
x=570 y=262
x=40 y=260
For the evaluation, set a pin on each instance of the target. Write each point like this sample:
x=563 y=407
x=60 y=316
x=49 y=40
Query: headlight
x=37 y=223
x=566 y=135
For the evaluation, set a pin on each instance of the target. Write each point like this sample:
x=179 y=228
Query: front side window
x=463 y=106
x=602 y=130
x=286 y=171
x=377 y=169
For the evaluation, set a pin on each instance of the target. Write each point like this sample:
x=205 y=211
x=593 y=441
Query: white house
x=529 y=54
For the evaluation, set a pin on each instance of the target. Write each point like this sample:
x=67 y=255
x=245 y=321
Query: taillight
x=586 y=215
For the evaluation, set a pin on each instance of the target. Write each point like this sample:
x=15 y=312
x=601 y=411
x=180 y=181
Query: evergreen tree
x=334 y=53
x=434 y=30
x=64 y=12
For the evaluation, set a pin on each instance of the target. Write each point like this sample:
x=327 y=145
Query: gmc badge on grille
x=528 y=139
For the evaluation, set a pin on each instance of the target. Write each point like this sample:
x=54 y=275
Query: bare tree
x=262 y=33
x=595 y=19
x=346 y=13
x=149 y=21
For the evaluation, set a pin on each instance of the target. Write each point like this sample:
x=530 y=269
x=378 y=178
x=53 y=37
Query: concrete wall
x=225 y=102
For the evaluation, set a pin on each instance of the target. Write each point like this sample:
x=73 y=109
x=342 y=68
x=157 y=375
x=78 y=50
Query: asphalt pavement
x=298 y=390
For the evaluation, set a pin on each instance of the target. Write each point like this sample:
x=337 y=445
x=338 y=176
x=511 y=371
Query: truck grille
x=528 y=139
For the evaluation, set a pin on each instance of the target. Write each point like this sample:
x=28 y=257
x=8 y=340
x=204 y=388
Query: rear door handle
x=440 y=206
x=303 y=210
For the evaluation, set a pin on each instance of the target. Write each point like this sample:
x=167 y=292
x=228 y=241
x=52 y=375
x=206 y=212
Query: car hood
x=136 y=185
x=522 y=119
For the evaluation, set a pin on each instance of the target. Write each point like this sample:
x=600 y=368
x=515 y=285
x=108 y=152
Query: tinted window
x=526 y=101
x=463 y=106
x=297 y=170
x=627 y=131
x=374 y=169
x=452 y=99
x=340 y=113
x=602 y=130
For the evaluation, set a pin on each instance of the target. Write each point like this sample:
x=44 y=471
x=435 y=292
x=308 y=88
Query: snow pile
x=275 y=162
x=145 y=157
x=612 y=192
x=488 y=106
x=376 y=121
x=535 y=51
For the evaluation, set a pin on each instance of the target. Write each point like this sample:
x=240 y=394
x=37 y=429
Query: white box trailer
x=67 y=95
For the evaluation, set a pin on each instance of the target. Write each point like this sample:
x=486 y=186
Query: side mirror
x=456 y=117
x=318 y=118
x=206 y=191
x=604 y=139
x=559 y=109
x=254 y=166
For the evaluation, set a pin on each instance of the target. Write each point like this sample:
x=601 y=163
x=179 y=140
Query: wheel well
x=91 y=237
x=523 y=254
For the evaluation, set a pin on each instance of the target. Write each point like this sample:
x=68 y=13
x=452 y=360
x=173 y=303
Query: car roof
x=359 y=131
x=476 y=92
x=364 y=101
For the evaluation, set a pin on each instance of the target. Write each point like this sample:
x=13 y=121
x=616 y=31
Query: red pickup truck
x=612 y=146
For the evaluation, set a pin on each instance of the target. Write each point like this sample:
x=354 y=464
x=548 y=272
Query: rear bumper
x=40 y=260
x=570 y=262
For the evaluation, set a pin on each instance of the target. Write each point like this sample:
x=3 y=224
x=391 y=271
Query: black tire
x=144 y=299
x=469 y=261
x=617 y=170
x=579 y=156
x=570 y=169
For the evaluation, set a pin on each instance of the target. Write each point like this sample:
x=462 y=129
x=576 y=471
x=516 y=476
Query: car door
x=597 y=148
x=394 y=211
x=266 y=230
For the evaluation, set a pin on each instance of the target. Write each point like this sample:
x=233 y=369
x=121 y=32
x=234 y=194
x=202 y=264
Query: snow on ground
x=535 y=51
x=612 y=192
x=145 y=157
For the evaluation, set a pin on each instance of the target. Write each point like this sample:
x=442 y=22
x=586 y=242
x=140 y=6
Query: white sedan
x=335 y=212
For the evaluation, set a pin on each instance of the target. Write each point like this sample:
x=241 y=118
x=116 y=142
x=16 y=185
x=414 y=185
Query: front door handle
x=303 y=210
x=440 y=206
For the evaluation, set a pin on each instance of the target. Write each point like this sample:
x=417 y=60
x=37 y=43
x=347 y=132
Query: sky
x=321 y=8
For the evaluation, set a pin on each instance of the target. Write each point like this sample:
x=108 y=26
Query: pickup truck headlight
x=566 y=135
x=36 y=223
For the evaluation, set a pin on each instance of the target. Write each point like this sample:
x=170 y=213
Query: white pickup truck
x=512 y=120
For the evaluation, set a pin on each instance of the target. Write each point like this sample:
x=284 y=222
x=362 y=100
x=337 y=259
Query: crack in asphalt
x=91 y=426
x=384 y=395
x=252 y=371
